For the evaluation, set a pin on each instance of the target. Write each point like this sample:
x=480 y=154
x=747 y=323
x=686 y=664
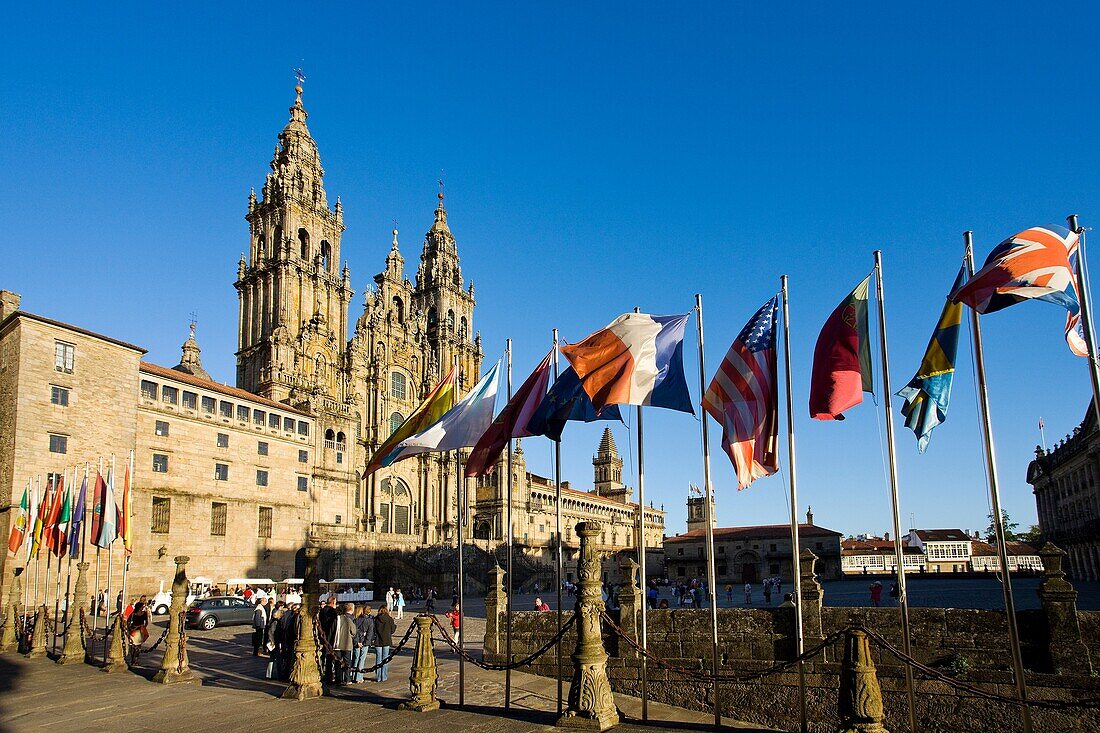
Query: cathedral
x=242 y=478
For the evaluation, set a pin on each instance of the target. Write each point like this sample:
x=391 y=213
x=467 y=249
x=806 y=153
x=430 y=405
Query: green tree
x=1032 y=535
x=1008 y=525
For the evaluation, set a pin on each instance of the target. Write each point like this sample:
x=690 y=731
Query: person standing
x=399 y=603
x=384 y=626
x=288 y=632
x=429 y=601
x=327 y=619
x=273 y=641
x=259 y=626
x=344 y=643
x=389 y=599
x=748 y=594
x=455 y=615
x=541 y=605
x=768 y=591
x=364 y=639
x=139 y=622
x=876 y=594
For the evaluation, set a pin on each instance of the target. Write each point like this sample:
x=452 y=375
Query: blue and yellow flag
x=929 y=391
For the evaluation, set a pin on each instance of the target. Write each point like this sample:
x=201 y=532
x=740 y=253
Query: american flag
x=743 y=398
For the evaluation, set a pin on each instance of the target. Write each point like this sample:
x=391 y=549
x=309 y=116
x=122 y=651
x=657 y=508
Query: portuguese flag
x=842 y=358
x=19 y=526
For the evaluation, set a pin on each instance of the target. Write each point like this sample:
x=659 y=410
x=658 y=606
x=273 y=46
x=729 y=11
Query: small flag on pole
x=125 y=515
x=77 y=520
x=105 y=513
x=929 y=391
x=637 y=360
x=1041 y=425
x=743 y=398
x=19 y=526
x=842 y=358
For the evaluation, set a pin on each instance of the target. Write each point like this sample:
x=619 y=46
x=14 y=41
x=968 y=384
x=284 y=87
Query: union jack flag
x=743 y=398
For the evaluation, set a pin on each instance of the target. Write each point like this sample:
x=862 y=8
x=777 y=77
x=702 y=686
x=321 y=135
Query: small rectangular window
x=190 y=399
x=261 y=448
x=59 y=395
x=258 y=418
x=226 y=409
x=303 y=456
x=169 y=395
x=221 y=472
x=223 y=440
x=162 y=514
x=161 y=428
x=208 y=405
x=273 y=421
x=288 y=424
x=261 y=477
x=265 y=522
x=218 y=512
x=242 y=413
x=303 y=483
x=63 y=355
x=160 y=463
x=59 y=443
x=339 y=457
x=148 y=390
x=303 y=427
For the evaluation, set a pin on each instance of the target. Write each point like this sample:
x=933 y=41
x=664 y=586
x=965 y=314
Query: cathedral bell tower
x=607 y=468
x=293 y=319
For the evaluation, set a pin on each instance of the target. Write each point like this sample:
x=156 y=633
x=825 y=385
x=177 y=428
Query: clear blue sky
x=596 y=159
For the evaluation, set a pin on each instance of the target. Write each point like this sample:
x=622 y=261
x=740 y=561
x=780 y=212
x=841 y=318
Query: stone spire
x=607 y=444
x=395 y=263
x=190 y=362
x=608 y=470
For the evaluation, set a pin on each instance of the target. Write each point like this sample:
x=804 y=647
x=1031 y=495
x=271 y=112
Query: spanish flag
x=438 y=402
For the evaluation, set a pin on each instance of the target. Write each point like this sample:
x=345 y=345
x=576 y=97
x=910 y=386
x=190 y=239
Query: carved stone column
x=115 y=659
x=9 y=639
x=811 y=601
x=305 y=675
x=1068 y=652
x=73 y=651
x=496 y=620
x=630 y=601
x=591 y=705
x=859 y=706
x=38 y=634
x=175 y=667
x=423 y=676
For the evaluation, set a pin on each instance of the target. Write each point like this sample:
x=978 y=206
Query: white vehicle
x=163 y=599
x=349 y=590
x=290 y=590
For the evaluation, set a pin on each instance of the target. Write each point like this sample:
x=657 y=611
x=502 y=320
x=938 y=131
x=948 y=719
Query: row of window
x=171 y=396
x=221 y=471
x=219 y=511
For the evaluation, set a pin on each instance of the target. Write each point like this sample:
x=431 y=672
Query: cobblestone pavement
x=37 y=695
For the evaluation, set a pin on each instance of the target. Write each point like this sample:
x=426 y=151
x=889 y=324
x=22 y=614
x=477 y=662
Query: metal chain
x=183 y=642
x=446 y=638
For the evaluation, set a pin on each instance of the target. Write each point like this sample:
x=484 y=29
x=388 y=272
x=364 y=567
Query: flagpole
x=127 y=490
x=57 y=583
x=69 y=566
x=98 y=588
x=29 y=536
x=1086 y=313
x=795 y=567
x=560 y=560
x=110 y=555
x=460 y=519
x=995 y=496
x=508 y=590
x=641 y=561
x=712 y=580
x=903 y=598
x=37 y=548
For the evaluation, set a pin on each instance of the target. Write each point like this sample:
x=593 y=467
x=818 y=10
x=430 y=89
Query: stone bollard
x=630 y=601
x=859 y=705
x=38 y=634
x=115 y=658
x=811 y=602
x=73 y=650
x=175 y=666
x=423 y=676
x=9 y=639
x=496 y=610
x=1068 y=652
x=591 y=705
x=305 y=675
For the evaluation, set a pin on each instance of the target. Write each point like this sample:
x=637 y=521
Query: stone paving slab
x=38 y=695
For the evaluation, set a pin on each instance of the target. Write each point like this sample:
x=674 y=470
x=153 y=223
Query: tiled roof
x=1020 y=548
x=875 y=547
x=982 y=549
x=758 y=532
x=166 y=373
x=942 y=535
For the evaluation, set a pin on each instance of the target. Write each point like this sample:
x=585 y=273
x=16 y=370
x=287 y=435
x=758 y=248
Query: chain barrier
x=343 y=663
x=446 y=638
x=183 y=642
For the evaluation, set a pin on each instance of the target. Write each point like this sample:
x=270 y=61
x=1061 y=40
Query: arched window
x=397 y=385
x=433 y=319
x=330 y=435
x=464 y=327
x=326 y=253
x=341 y=440
x=399 y=309
x=450 y=321
x=277 y=241
x=395 y=422
x=303 y=240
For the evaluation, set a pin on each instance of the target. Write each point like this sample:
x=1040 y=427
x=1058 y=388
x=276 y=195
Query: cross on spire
x=194 y=322
x=299 y=75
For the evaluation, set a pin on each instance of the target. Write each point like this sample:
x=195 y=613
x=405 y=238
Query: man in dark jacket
x=384 y=626
x=259 y=624
x=327 y=618
x=364 y=639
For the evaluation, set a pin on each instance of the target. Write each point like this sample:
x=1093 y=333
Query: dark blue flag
x=567 y=401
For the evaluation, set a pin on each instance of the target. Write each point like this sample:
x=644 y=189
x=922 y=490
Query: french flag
x=637 y=360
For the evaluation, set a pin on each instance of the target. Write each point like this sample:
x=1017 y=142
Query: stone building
x=874 y=555
x=534 y=512
x=1022 y=557
x=945 y=550
x=1066 y=482
x=749 y=554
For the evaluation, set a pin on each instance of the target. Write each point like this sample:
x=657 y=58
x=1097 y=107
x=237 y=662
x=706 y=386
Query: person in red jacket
x=541 y=605
x=455 y=615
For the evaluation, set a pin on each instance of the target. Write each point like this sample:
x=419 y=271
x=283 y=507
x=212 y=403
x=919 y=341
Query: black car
x=206 y=613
